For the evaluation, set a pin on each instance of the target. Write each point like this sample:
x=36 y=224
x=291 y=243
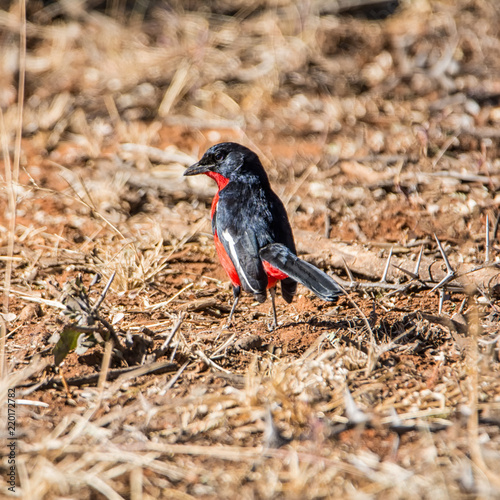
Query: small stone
x=30 y=312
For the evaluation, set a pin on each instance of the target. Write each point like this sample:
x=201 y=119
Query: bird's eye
x=219 y=156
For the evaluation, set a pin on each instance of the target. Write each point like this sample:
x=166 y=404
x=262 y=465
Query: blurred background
x=352 y=97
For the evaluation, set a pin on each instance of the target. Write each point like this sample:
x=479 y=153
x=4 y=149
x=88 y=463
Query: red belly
x=273 y=274
x=226 y=262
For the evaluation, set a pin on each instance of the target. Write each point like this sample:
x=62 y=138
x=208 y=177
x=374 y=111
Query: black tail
x=311 y=277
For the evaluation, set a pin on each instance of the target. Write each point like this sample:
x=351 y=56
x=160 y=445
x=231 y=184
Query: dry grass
x=379 y=133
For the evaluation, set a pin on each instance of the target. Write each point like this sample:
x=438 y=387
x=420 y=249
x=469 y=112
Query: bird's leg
x=272 y=292
x=236 y=295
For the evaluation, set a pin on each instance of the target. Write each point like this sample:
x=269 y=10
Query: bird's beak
x=197 y=169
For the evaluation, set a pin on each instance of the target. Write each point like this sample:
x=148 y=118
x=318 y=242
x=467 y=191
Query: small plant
x=87 y=327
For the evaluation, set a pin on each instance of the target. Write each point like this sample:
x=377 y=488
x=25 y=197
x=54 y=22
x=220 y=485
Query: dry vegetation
x=377 y=134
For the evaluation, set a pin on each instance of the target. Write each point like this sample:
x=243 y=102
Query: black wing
x=310 y=276
x=248 y=218
x=238 y=237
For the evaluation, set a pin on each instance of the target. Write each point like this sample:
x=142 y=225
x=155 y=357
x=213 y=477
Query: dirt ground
x=378 y=125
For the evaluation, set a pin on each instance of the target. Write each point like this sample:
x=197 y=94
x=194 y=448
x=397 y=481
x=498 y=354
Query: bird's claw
x=272 y=326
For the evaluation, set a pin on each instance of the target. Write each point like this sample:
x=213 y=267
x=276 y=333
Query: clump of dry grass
x=135 y=262
x=298 y=407
x=226 y=69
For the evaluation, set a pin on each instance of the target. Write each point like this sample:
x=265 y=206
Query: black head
x=231 y=161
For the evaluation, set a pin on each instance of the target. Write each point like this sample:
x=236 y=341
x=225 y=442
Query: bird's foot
x=272 y=326
x=227 y=324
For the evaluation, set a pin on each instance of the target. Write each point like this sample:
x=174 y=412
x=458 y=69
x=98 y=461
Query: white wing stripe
x=234 y=257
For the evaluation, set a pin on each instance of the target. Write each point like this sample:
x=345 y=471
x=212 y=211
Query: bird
x=252 y=234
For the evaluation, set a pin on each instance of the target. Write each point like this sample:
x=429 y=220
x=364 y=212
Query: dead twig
x=487 y=245
x=156 y=155
x=453 y=325
x=174 y=379
x=386 y=269
x=450 y=272
x=209 y=362
x=166 y=344
x=128 y=373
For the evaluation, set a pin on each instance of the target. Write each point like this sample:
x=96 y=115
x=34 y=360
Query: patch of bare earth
x=380 y=136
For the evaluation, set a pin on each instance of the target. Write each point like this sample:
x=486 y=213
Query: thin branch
x=487 y=242
x=209 y=362
x=349 y=273
x=154 y=307
x=103 y=294
x=164 y=347
x=386 y=270
x=495 y=229
x=441 y=300
x=174 y=379
x=451 y=273
x=127 y=373
x=419 y=261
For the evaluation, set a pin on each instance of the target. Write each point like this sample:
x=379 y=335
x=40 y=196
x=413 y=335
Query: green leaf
x=66 y=343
